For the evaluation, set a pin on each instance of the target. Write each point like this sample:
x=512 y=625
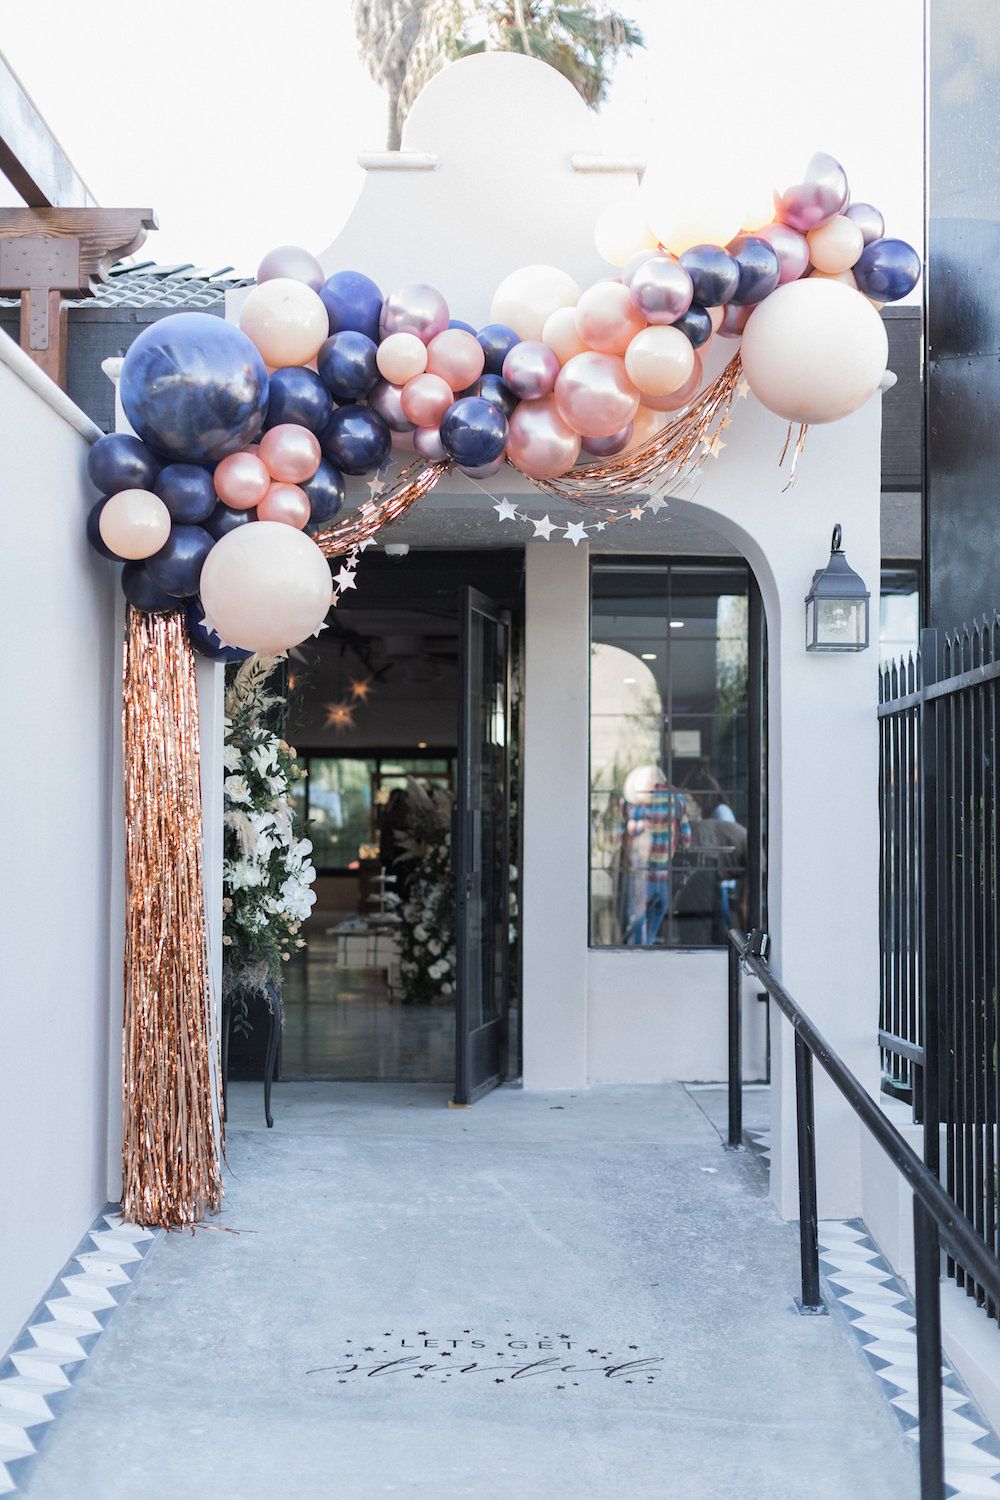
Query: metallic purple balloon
x=661 y=290
x=417 y=308
x=427 y=442
x=293 y=262
x=531 y=369
x=822 y=193
x=791 y=248
x=608 y=446
x=734 y=319
x=485 y=471
x=385 y=399
x=868 y=219
x=634 y=262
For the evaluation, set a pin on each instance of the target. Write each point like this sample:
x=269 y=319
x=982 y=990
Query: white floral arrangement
x=267 y=871
x=427 y=933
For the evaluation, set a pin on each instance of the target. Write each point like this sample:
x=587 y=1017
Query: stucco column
x=555 y=809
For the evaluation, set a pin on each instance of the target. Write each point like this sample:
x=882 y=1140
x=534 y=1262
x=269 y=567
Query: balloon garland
x=223 y=503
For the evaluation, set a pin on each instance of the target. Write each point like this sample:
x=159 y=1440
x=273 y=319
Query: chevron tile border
x=881 y=1314
x=39 y=1370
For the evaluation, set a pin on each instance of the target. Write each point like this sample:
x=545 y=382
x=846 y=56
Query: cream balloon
x=645 y=425
x=607 y=319
x=266 y=587
x=561 y=336
x=836 y=245
x=621 y=230
x=400 y=357
x=686 y=208
x=286 y=320
x=814 y=351
x=659 y=361
x=134 y=524
x=526 y=297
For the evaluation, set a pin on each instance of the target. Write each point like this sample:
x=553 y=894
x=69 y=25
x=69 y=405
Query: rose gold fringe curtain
x=170 y=1140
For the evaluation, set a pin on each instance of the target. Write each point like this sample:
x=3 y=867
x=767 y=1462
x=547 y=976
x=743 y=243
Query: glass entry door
x=481 y=846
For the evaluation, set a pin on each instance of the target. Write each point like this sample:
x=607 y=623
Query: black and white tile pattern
x=39 y=1370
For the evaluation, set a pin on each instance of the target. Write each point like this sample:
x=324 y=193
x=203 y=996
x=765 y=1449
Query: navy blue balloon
x=140 y=590
x=206 y=642
x=224 y=519
x=695 y=325
x=346 y=363
x=119 y=461
x=298 y=395
x=759 y=268
x=194 y=387
x=187 y=491
x=94 y=531
x=353 y=302
x=474 y=431
x=326 y=493
x=465 y=327
x=497 y=341
x=887 y=270
x=494 y=388
x=356 y=440
x=176 y=568
x=714 y=274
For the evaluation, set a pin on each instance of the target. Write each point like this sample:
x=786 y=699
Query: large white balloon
x=266 y=587
x=814 y=350
x=621 y=231
x=526 y=297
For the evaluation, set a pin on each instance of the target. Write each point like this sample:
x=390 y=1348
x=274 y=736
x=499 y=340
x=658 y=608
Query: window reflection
x=669 y=651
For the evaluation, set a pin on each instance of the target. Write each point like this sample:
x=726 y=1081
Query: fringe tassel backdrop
x=170 y=1136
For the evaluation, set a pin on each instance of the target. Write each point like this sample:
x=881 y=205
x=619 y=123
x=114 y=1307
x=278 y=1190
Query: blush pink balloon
x=241 y=480
x=290 y=453
x=540 y=443
x=607 y=447
x=791 y=248
x=457 y=356
x=427 y=441
x=134 y=523
x=400 y=357
x=286 y=503
x=678 y=399
x=531 y=369
x=425 y=400
x=594 y=395
x=606 y=318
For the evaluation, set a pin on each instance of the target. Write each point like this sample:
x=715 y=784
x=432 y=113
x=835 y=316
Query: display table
x=369 y=943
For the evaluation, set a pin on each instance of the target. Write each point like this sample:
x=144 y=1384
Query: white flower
x=232 y=757
x=420 y=933
x=236 y=789
x=434 y=946
x=264 y=757
x=446 y=989
x=243 y=874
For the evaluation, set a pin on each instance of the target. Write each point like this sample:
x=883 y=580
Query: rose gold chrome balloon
x=241 y=480
x=290 y=453
x=457 y=356
x=540 y=443
x=594 y=395
x=425 y=400
x=285 y=503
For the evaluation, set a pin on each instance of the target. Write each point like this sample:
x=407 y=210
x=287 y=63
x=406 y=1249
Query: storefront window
x=668 y=753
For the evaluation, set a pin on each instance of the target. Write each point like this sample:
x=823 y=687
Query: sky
x=240 y=126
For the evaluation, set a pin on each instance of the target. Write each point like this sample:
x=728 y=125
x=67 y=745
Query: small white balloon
x=621 y=231
x=286 y=320
x=814 y=350
x=266 y=587
x=526 y=298
x=134 y=524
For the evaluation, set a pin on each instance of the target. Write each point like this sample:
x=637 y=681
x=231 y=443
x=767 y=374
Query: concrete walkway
x=545 y=1297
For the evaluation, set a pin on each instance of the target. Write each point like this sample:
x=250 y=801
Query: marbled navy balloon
x=759 y=268
x=326 y=493
x=206 y=642
x=474 y=432
x=140 y=590
x=353 y=302
x=356 y=440
x=298 y=395
x=225 y=519
x=194 y=387
x=119 y=461
x=346 y=363
x=714 y=274
x=176 y=568
x=187 y=491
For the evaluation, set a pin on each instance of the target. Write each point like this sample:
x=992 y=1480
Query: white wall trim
x=24 y=367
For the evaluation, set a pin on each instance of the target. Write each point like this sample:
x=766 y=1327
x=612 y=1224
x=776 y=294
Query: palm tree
x=405 y=42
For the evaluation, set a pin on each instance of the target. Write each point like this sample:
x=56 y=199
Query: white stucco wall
x=61 y=664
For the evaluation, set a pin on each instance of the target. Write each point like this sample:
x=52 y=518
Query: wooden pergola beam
x=31 y=158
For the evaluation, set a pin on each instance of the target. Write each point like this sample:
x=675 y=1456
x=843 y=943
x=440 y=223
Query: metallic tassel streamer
x=412 y=485
x=170 y=1138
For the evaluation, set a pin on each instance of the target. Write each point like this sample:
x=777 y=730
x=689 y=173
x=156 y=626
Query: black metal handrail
x=936 y=1218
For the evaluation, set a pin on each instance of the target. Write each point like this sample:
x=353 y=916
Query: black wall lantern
x=837 y=605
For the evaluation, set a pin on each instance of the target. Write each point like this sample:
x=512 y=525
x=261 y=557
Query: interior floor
x=345 y=1023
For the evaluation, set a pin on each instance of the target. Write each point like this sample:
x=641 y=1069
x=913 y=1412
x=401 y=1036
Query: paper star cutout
x=361 y=689
x=742 y=390
x=636 y=512
x=544 y=528
x=339 y=715
x=601 y=526
x=576 y=533
x=726 y=421
x=505 y=510
x=375 y=486
x=368 y=541
x=316 y=632
x=345 y=580
x=656 y=503
x=716 y=446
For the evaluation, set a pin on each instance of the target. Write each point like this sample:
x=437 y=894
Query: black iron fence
x=937 y=1220
x=939 y=1025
